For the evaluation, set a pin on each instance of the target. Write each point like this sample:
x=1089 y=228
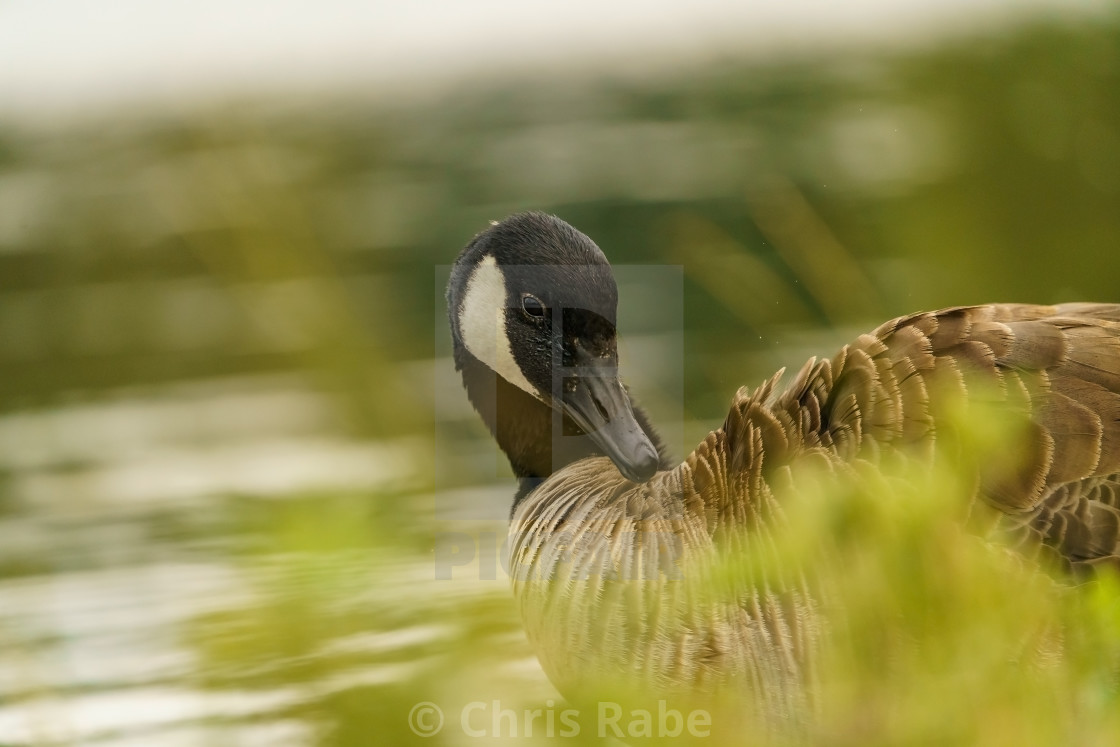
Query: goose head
x=532 y=302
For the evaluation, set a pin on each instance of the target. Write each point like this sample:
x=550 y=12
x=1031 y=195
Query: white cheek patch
x=482 y=324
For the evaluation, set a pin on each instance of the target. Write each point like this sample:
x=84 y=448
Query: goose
x=603 y=519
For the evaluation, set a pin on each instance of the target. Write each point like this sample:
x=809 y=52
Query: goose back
x=597 y=560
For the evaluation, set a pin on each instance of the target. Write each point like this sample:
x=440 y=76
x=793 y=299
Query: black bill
x=601 y=408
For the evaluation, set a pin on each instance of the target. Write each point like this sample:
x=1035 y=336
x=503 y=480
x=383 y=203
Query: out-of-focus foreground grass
x=936 y=635
x=232 y=447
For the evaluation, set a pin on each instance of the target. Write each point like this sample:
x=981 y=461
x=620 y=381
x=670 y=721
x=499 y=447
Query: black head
x=534 y=300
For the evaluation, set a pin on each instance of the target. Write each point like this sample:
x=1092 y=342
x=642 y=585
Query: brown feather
x=1053 y=370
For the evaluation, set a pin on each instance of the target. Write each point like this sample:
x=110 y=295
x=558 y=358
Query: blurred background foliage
x=224 y=374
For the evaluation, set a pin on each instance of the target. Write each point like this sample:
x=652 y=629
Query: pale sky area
x=80 y=56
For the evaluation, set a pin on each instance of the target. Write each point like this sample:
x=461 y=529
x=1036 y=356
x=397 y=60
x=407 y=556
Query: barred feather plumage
x=1059 y=365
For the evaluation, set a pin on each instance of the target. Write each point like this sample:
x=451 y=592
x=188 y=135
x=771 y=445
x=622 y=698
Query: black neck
x=536 y=439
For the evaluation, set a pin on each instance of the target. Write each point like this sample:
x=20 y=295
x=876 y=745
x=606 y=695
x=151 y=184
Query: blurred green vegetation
x=299 y=245
x=304 y=237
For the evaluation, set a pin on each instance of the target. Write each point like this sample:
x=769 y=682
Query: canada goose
x=532 y=310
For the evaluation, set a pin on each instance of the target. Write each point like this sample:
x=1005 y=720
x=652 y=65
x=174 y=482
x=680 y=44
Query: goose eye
x=532 y=306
